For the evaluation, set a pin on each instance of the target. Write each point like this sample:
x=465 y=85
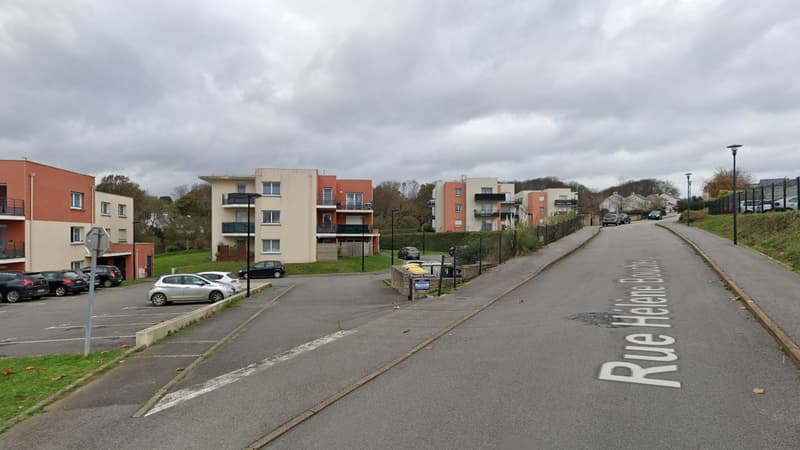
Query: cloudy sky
x=594 y=91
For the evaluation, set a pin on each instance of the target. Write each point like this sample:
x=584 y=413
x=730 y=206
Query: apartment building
x=473 y=204
x=45 y=213
x=291 y=215
x=536 y=206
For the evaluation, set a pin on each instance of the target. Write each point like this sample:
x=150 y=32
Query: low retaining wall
x=150 y=336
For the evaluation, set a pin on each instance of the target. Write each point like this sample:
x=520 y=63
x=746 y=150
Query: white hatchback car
x=223 y=277
x=187 y=287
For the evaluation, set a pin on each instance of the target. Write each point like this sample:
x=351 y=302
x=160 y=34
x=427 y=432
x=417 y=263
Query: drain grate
x=601 y=319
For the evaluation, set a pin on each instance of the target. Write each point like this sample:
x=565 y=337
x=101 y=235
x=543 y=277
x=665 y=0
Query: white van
x=783 y=204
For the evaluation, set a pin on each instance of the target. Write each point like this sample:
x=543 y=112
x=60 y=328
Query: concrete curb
x=786 y=343
x=151 y=335
x=65 y=390
x=310 y=412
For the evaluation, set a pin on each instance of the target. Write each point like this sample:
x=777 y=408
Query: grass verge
x=775 y=234
x=25 y=381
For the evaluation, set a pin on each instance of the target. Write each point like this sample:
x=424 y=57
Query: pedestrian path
x=772 y=287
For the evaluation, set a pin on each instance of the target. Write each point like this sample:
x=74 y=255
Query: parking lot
x=58 y=324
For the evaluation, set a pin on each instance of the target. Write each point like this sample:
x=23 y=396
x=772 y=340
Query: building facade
x=45 y=213
x=537 y=206
x=294 y=216
x=473 y=204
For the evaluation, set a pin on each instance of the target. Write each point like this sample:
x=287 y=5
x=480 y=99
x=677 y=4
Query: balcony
x=486 y=197
x=237 y=228
x=237 y=199
x=364 y=207
x=327 y=203
x=12 y=207
x=486 y=213
x=353 y=229
x=12 y=250
x=565 y=202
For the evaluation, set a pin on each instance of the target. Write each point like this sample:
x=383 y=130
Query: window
x=270 y=246
x=241 y=189
x=75 y=265
x=486 y=190
x=486 y=225
x=122 y=210
x=459 y=223
x=271 y=217
x=355 y=200
x=105 y=208
x=541 y=209
x=459 y=192
x=327 y=196
x=241 y=216
x=76 y=201
x=123 y=235
x=76 y=235
x=458 y=207
x=541 y=198
x=271 y=188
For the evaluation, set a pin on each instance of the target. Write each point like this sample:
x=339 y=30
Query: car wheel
x=61 y=291
x=215 y=296
x=158 y=299
x=277 y=274
x=12 y=296
x=107 y=283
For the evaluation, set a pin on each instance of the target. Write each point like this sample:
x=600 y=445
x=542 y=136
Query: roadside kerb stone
x=151 y=335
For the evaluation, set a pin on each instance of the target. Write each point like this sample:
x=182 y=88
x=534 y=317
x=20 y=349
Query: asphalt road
x=526 y=372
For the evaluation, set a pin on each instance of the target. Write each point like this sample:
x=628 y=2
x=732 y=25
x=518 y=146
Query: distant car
x=15 y=286
x=63 y=282
x=408 y=253
x=187 y=287
x=654 y=215
x=109 y=275
x=611 y=219
x=223 y=277
x=264 y=269
x=624 y=218
x=782 y=204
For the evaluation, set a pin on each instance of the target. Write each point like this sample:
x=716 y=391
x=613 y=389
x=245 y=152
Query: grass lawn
x=29 y=380
x=776 y=234
x=200 y=260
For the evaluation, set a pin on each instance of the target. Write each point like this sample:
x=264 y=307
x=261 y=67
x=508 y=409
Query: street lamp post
x=688 y=198
x=363 y=226
x=250 y=197
x=734 y=148
x=394 y=211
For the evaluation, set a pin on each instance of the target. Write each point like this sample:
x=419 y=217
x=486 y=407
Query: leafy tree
x=722 y=180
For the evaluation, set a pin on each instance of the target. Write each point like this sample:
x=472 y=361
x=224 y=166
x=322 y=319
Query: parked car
x=751 y=206
x=654 y=215
x=264 y=269
x=109 y=275
x=782 y=204
x=63 y=282
x=408 y=253
x=223 y=277
x=611 y=219
x=187 y=287
x=624 y=218
x=15 y=286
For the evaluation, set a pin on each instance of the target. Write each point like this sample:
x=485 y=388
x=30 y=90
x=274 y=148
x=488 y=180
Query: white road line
x=96 y=325
x=103 y=316
x=197 y=390
x=44 y=341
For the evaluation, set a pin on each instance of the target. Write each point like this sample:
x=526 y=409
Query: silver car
x=223 y=277
x=187 y=287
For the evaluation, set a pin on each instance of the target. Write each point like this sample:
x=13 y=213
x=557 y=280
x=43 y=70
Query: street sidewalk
x=767 y=288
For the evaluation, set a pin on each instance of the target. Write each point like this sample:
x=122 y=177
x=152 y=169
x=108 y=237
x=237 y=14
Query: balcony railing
x=237 y=198
x=12 y=250
x=493 y=197
x=486 y=213
x=565 y=202
x=327 y=229
x=353 y=229
x=237 y=227
x=355 y=206
x=12 y=207
x=326 y=202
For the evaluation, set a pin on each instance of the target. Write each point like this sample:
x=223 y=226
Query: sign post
x=97 y=242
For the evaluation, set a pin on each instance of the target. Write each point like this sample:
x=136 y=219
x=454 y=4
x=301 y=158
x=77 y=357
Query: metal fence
x=549 y=233
x=773 y=195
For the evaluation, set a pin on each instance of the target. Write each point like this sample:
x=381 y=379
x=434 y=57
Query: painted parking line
x=189 y=393
x=7 y=341
x=65 y=326
x=103 y=316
